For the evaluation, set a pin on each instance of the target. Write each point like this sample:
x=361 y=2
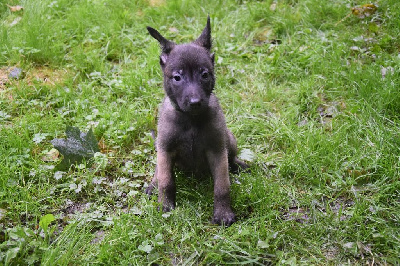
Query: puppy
x=192 y=132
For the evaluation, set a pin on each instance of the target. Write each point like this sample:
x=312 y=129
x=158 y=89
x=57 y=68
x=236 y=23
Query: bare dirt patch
x=157 y=3
x=47 y=75
x=40 y=75
x=297 y=214
x=339 y=208
x=3 y=77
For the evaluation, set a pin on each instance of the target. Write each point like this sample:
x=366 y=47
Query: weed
x=309 y=89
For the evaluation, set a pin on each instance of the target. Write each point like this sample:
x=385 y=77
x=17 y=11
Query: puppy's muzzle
x=195 y=103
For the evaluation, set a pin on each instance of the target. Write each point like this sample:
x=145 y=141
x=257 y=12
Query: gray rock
x=16 y=73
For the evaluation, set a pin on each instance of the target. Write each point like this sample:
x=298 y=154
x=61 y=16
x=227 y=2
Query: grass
x=310 y=91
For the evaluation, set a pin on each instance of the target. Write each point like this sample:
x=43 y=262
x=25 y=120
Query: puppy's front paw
x=168 y=203
x=224 y=217
x=149 y=189
x=168 y=208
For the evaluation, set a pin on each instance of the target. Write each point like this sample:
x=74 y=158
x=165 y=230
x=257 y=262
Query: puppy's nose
x=195 y=102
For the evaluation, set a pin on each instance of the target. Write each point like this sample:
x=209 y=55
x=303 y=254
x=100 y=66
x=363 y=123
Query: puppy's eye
x=205 y=75
x=177 y=78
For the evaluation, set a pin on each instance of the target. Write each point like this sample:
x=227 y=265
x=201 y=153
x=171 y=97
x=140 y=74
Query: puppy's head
x=188 y=71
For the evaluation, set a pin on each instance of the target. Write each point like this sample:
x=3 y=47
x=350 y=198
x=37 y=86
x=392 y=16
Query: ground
x=309 y=88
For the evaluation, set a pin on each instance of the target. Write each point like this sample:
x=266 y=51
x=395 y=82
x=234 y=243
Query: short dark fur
x=192 y=132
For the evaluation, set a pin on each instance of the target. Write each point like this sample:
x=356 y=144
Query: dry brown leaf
x=361 y=12
x=265 y=35
x=51 y=156
x=15 y=8
x=105 y=148
x=356 y=173
x=364 y=10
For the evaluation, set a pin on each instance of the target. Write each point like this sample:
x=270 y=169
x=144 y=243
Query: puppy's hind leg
x=235 y=164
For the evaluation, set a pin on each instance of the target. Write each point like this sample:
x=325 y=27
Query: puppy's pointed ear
x=166 y=45
x=205 y=38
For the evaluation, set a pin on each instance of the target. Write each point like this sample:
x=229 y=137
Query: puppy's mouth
x=195 y=106
x=194 y=110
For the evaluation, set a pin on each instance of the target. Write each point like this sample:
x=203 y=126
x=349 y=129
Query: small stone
x=16 y=73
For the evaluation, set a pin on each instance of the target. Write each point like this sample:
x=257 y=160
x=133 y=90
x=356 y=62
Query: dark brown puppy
x=192 y=132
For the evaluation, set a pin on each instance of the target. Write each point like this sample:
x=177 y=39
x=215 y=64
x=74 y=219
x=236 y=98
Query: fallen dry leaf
x=15 y=8
x=364 y=10
x=265 y=36
x=51 y=156
x=356 y=173
x=104 y=147
x=361 y=12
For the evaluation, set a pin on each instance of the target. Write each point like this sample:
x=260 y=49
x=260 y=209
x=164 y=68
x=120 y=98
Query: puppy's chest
x=190 y=147
x=192 y=140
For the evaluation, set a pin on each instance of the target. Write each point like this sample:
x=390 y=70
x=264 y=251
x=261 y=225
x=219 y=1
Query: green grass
x=302 y=88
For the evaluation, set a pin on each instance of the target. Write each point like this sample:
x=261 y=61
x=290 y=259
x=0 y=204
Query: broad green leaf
x=145 y=247
x=11 y=253
x=291 y=261
x=39 y=137
x=78 y=146
x=45 y=221
x=262 y=244
x=247 y=155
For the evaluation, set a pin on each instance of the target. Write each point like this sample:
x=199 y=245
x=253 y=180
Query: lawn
x=309 y=88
